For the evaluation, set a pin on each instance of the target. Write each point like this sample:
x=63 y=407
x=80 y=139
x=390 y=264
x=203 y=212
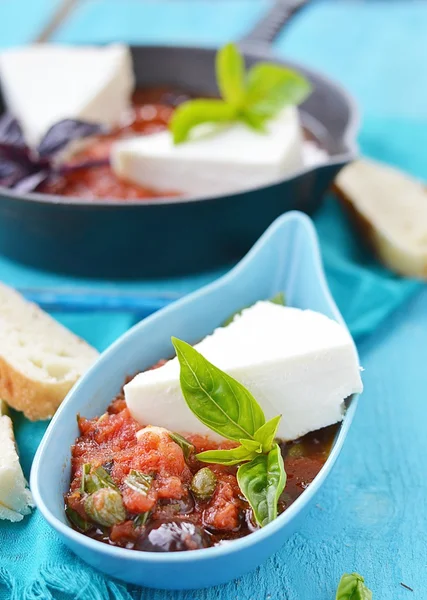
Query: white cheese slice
x=231 y=159
x=46 y=83
x=297 y=363
x=15 y=497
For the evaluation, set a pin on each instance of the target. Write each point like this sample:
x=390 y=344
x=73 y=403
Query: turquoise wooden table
x=372 y=514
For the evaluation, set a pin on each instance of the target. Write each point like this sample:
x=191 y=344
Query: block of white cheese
x=46 y=83
x=297 y=363
x=232 y=158
x=15 y=497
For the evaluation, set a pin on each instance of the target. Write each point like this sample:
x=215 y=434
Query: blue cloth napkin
x=379 y=59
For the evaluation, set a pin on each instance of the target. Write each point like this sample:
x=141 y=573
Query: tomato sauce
x=151 y=111
x=173 y=517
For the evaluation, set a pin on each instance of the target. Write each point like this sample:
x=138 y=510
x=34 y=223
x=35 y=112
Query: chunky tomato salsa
x=142 y=487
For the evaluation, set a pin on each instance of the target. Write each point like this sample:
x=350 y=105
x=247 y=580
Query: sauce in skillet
x=151 y=111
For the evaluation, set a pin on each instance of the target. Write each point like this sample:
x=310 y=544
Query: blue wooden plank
x=202 y=22
x=377 y=49
x=22 y=20
x=371 y=515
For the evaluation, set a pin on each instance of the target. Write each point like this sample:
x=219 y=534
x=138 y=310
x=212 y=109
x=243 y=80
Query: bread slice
x=15 y=497
x=40 y=360
x=390 y=209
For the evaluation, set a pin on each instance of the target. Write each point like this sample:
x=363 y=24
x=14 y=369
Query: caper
x=296 y=450
x=105 y=506
x=203 y=484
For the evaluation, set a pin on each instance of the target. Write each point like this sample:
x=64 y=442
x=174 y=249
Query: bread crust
x=398 y=258
x=36 y=400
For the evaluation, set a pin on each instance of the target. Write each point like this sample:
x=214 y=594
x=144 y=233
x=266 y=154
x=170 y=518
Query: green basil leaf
x=184 y=444
x=139 y=482
x=352 y=587
x=230 y=75
x=141 y=519
x=219 y=401
x=267 y=433
x=253 y=120
x=279 y=299
x=195 y=112
x=262 y=481
x=78 y=521
x=228 y=458
x=272 y=87
x=252 y=445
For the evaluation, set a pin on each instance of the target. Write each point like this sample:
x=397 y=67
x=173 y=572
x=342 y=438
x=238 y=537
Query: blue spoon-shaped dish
x=287 y=259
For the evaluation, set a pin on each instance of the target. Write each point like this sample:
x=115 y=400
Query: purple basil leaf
x=10 y=131
x=85 y=164
x=60 y=134
x=18 y=168
x=31 y=182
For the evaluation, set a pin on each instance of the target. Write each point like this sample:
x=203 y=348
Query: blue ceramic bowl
x=286 y=258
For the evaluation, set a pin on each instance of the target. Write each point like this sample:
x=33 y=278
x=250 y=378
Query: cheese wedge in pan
x=46 y=83
x=231 y=159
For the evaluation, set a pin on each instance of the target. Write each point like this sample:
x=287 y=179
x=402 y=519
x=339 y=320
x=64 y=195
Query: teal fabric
x=378 y=50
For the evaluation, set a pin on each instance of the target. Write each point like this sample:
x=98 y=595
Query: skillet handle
x=267 y=29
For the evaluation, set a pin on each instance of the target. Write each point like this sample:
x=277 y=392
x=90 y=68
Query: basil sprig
x=253 y=98
x=352 y=587
x=228 y=408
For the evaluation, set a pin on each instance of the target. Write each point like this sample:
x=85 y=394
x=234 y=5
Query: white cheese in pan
x=215 y=162
x=46 y=83
x=15 y=497
x=297 y=363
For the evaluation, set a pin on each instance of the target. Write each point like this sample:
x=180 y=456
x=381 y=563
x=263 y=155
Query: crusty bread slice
x=390 y=208
x=40 y=360
x=15 y=497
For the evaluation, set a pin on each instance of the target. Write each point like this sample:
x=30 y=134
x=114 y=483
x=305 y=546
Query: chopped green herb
x=97 y=479
x=141 y=520
x=76 y=520
x=184 y=444
x=139 y=482
x=252 y=98
x=85 y=472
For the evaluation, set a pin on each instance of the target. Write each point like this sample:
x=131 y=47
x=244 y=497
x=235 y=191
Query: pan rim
x=348 y=140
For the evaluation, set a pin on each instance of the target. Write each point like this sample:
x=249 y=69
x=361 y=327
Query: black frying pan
x=166 y=237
